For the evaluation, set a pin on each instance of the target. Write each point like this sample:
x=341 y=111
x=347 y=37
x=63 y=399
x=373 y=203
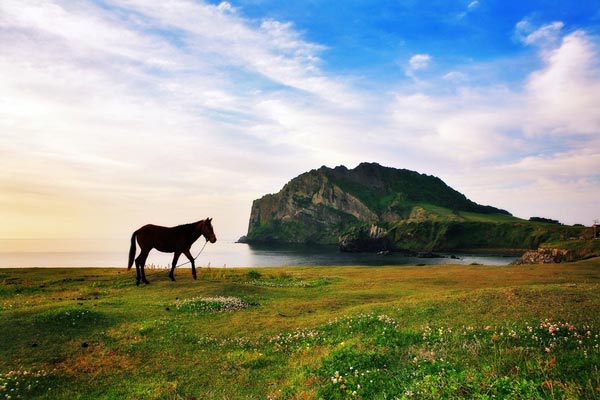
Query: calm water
x=111 y=253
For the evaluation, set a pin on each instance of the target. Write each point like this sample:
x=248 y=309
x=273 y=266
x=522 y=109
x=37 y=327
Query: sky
x=114 y=114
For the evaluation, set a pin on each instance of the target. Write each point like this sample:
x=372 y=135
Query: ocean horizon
x=113 y=253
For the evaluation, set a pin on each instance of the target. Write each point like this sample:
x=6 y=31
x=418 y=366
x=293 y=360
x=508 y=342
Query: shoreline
x=245 y=257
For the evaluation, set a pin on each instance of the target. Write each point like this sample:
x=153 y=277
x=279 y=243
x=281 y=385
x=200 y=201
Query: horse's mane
x=187 y=228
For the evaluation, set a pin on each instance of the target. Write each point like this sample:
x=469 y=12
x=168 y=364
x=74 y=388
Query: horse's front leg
x=173 y=265
x=189 y=256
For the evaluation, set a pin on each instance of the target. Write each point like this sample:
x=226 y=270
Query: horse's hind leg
x=144 y=275
x=138 y=275
x=140 y=263
x=173 y=265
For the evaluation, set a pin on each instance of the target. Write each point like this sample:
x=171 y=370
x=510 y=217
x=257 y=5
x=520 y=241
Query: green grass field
x=519 y=332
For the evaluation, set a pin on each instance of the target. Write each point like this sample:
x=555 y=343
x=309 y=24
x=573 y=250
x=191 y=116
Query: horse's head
x=207 y=230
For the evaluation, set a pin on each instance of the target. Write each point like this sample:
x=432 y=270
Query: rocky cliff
x=309 y=209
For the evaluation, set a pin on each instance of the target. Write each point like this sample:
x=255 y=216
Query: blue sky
x=370 y=38
x=116 y=113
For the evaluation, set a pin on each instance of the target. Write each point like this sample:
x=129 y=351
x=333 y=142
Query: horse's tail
x=132 y=250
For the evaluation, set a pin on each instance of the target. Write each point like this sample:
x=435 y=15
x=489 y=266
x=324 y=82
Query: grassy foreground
x=521 y=332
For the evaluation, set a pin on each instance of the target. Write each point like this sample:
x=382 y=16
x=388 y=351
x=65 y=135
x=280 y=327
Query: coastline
x=258 y=259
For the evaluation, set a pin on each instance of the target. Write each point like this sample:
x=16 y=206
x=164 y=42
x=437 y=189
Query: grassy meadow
x=519 y=332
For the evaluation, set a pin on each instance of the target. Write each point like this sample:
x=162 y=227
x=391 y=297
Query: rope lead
x=201 y=250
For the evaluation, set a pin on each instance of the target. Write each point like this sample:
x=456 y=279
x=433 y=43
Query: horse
x=177 y=240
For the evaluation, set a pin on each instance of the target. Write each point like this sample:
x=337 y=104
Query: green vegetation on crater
x=383 y=188
x=433 y=228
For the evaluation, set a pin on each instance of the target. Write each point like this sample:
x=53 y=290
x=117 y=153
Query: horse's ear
x=209 y=219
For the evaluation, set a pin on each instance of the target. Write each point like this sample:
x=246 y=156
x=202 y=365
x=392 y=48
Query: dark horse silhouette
x=177 y=239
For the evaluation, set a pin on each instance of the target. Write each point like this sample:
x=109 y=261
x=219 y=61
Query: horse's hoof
x=137 y=283
x=146 y=282
x=195 y=277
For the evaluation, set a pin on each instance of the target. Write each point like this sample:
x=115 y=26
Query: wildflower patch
x=211 y=304
x=71 y=318
x=288 y=282
x=23 y=384
x=375 y=357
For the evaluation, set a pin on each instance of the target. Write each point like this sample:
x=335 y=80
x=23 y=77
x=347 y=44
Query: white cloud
x=456 y=77
x=565 y=94
x=544 y=35
x=556 y=101
x=274 y=51
x=416 y=63
x=464 y=127
x=226 y=7
x=472 y=6
x=419 y=61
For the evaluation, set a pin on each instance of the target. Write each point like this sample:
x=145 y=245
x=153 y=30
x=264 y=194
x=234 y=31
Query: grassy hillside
x=302 y=333
x=456 y=235
x=384 y=188
x=435 y=228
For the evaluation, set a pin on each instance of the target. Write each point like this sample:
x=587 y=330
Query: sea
x=54 y=253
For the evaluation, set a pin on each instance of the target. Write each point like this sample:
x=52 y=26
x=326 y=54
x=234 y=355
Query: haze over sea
x=113 y=253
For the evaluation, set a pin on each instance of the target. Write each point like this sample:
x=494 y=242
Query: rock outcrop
x=545 y=256
x=373 y=239
x=556 y=255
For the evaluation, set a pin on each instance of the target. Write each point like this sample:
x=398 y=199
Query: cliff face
x=326 y=205
x=309 y=209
